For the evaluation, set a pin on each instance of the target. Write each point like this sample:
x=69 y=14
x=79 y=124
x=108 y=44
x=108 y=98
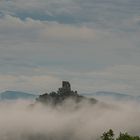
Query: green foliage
x=126 y=136
x=109 y=135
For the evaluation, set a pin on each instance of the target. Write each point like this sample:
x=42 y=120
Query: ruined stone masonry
x=62 y=94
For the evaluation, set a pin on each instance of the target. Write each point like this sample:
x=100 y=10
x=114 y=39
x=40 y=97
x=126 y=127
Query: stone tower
x=66 y=86
x=65 y=89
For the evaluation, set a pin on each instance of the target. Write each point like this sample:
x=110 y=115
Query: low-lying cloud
x=20 y=120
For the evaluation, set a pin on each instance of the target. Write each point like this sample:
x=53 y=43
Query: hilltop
x=64 y=93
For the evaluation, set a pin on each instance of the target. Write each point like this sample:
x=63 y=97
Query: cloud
x=70 y=39
x=66 y=122
x=36 y=84
x=33 y=40
x=36 y=50
x=36 y=29
x=121 y=78
x=103 y=14
x=118 y=78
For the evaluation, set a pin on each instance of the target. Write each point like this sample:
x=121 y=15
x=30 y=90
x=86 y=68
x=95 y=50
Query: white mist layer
x=20 y=121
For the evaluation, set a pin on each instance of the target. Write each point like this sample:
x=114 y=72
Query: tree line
x=109 y=135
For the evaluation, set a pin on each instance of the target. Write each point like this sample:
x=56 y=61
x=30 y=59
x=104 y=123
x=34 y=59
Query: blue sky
x=95 y=44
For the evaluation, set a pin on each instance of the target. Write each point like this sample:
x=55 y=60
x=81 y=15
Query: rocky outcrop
x=62 y=95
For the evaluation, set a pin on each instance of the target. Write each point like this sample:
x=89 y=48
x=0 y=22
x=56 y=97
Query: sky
x=94 y=44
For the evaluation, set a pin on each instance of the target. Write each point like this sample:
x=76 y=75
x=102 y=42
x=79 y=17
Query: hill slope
x=14 y=95
x=112 y=95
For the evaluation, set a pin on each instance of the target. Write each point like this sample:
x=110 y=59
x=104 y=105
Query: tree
x=126 y=136
x=108 y=135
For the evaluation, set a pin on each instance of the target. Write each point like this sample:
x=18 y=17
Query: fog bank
x=21 y=121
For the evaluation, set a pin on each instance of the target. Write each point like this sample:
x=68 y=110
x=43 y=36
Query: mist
x=26 y=120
